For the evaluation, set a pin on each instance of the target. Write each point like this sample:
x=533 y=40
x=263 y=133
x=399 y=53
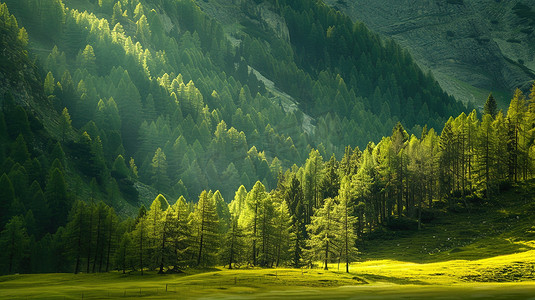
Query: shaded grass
x=502 y=226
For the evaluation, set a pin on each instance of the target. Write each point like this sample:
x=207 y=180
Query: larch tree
x=282 y=227
x=140 y=237
x=491 y=107
x=254 y=201
x=57 y=199
x=65 y=124
x=517 y=134
x=206 y=230
x=157 y=235
x=344 y=213
x=7 y=197
x=487 y=155
x=160 y=178
x=323 y=239
x=237 y=205
x=15 y=243
x=179 y=233
x=233 y=244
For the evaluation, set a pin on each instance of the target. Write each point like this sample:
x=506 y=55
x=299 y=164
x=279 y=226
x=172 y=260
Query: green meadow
x=483 y=252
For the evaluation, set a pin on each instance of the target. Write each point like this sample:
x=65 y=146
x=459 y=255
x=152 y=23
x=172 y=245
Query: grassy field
x=484 y=251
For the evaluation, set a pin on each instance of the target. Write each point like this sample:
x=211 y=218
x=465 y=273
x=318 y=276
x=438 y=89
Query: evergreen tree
x=323 y=242
x=65 y=124
x=283 y=235
x=233 y=244
x=57 y=199
x=76 y=231
x=159 y=171
x=206 y=230
x=7 y=197
x=330 y=183
x=254 y=201
x=156 y=233
x=179 y=232
x=490 y=108
x=344 y=213
x=15 y=243
x=140 y=241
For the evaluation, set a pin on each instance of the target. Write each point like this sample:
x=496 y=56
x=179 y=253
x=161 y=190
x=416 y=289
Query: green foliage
x=15 y=242
x=57 y=199
x=205 y=222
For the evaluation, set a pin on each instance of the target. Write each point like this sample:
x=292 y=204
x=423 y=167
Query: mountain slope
x=215 y=94
x=472 y=47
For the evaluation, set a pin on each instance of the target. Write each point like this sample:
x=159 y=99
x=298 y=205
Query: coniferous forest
x=142 y=136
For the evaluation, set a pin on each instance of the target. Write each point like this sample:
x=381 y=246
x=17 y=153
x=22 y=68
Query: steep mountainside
x=191 y=95
x=472 y=47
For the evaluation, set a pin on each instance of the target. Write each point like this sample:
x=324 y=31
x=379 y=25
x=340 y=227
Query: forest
x=106 y=107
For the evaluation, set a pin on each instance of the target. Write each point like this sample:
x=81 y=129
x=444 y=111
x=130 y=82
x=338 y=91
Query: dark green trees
x=57 y=199
x=15 y=242
x=491 y=107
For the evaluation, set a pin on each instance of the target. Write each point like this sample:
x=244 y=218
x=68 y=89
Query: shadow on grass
x=389 y=279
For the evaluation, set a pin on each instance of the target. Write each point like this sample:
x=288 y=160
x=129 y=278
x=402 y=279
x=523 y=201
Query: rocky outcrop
x=472 y=47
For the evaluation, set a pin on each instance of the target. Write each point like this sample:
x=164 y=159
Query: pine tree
x=157 y=235
x=206 y=229
x=141 y=240
x=57 y=199
x=323 y=230
x=7 y=197
x=312 y=179
x=123 y=258
x=490 y=108
x=76 y=230
x=233 y=246
x=486 y=150
x=159 y=170
x=237 y=205
x=344 y=213
x=15 y=243
x=65 y=124
x=282 y=227
x=223 y=212
x=255 y=199
x=330 y=183
x=517 y=134
x=179 y=232
x=294 y=198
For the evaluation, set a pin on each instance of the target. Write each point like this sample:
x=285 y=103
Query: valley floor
x=501 y=277
x=486 y=251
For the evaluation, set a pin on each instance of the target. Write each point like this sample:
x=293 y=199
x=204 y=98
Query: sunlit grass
x=487 y=251
x=370 y=280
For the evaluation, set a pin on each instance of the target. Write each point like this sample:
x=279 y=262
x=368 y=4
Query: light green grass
x=369 y=280
x=482 y=252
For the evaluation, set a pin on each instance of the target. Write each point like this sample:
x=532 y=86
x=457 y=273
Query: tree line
x=317 y=212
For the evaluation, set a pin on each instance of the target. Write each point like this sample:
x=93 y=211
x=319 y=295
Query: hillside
x=181 y=138
x=471 y=47
x=212 y=94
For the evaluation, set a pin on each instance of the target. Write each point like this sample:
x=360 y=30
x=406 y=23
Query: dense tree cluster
x=139 y=76
x=316 y=213
x=154 y=94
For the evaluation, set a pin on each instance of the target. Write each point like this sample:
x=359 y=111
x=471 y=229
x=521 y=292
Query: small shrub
x=428 y=215
x=401 y=223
